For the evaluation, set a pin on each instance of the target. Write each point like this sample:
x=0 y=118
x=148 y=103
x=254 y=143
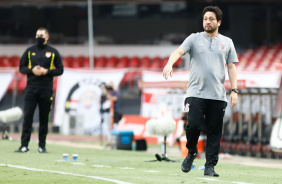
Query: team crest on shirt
x=222 y=46
x=48 y=54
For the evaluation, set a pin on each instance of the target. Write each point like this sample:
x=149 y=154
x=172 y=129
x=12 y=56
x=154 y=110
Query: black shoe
x=22 y=149
x=188 y=162
x=159 y=158
x=42 y=150
x=209 y=171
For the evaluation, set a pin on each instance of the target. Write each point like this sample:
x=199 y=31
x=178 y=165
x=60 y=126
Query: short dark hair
x=43 y=29
x=215 y=9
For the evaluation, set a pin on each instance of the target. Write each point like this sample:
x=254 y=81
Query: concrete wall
x=118 y=50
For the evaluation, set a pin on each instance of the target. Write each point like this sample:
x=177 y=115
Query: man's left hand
x=233 y=99
x=44 y=71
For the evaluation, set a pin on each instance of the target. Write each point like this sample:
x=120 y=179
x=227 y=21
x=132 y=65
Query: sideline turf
x=113 y=161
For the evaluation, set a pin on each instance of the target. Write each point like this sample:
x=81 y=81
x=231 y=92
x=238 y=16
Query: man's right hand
x=37 y=70
x=172 y=59
x=167 y=71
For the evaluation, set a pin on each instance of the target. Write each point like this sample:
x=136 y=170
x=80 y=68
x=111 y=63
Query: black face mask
x=40 y=41
x=110 y=88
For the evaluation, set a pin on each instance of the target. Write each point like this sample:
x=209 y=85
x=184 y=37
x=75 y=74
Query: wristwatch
x=235 y=90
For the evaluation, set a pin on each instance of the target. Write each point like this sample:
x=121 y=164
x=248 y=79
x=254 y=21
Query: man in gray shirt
x=206 y=96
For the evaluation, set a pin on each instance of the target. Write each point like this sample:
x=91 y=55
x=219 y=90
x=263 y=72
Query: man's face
x=42 y=34
x=111 y=85
x=210 y=22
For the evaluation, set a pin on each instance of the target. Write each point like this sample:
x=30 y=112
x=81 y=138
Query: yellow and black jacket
x=46 y=57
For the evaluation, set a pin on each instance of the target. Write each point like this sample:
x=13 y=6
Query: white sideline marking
x=152 y=171
x=210 y=179
x=101 y=166
x=106 y=161
x=240 y=182
x=77 y=163
x=126 y=168
x=65 y=173
x=175 y=174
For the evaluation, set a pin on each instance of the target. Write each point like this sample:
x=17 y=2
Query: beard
x=211 y=30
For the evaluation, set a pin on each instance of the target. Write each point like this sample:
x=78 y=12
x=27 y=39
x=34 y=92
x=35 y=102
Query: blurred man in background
x=105 y=114
x=40 y=63
x=206 y=96
x=113 y=96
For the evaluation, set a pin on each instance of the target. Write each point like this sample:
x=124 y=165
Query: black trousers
x=33 y=97
x=205 y=113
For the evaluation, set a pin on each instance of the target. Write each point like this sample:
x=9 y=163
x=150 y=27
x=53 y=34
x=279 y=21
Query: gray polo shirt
x=208 y=57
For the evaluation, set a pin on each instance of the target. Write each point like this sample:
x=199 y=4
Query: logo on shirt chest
x=222 y=46
x=48 y=54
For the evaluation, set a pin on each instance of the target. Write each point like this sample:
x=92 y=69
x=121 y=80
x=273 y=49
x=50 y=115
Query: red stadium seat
x=55 y=82
x=164 y=62
x=76 y=64
x=260 y=59
x=129 y=76
x=80 y=58
x=145 y=62
x=69 y=58
x=111 y=62
x=85 y=63
x=66 y=63
x=123 y=62
x=4 y=62
x=155 y=64
x=101 y=62
x=15 y=61
x=157 y=58
x=129 y=79
x=21 y=84
x=3 y=58
x=134 y=62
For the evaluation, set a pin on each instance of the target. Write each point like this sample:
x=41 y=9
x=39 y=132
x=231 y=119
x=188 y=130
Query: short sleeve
x=187 y=44
x=232 y=56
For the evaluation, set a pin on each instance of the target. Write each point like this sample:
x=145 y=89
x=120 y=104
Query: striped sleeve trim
x=29 y=61
x=52 y=62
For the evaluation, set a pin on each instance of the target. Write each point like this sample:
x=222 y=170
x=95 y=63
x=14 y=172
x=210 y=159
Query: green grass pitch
x=115 y=166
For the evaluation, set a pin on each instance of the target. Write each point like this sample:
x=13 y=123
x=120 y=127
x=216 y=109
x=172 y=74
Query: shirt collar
x=207 y=36
x=42 y=46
